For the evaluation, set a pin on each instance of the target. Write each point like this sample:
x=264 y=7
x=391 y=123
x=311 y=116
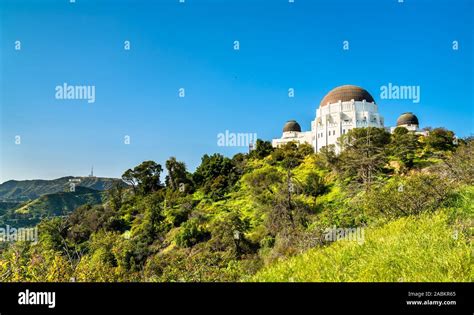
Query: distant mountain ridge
x=49 y=205
x=24 y=190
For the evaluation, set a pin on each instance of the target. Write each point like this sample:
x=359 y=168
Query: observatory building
x=410 y=122
x=342 y=109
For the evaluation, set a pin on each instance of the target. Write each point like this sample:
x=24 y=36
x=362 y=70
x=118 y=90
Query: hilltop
x=61 y=203
x=24 y=190
x=26 y=202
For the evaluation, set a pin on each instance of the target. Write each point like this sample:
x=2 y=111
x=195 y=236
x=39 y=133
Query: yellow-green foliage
x=255 y=219
x=415 y=249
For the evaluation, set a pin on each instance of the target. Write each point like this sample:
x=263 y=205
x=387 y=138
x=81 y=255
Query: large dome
x=407 y=119
x=346 y=93
x=292 y=125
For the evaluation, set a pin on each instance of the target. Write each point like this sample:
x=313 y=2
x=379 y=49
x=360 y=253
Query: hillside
x=24 y=190
x=50 y=205
x=413 y=249
x=6 y=205
x=266 y=216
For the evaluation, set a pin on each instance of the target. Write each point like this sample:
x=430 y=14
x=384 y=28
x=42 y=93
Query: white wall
x=336 y=119
x=332 y=121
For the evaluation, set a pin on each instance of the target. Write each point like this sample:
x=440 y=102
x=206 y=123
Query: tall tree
x=403 y=146
x=364 y=153
x=116 y=196
x=262 y=149
x=178 y=177
x=459 y=166
x=129 y=177
x=145 y=178
x=440 y=139
x=215 y=175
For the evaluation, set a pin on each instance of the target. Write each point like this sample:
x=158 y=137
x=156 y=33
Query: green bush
x=191 y=233
x=408 y=195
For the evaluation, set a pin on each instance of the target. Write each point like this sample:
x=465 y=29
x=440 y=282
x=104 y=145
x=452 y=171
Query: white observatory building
x=342 y=109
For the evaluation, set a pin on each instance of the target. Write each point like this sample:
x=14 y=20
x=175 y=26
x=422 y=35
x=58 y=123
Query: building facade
x=410 y=122
x=292 y=133
x=342 y=109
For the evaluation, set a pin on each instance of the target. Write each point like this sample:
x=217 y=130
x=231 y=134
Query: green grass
x=409 y=249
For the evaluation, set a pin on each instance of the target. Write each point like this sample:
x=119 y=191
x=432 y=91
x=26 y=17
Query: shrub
x=408 y=195
x=191 y=233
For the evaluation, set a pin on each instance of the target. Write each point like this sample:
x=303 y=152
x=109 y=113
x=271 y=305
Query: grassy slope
x=62 y=202
x=430 y=247
x=408 y=249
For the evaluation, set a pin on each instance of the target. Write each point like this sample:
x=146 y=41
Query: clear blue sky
x=190 y=45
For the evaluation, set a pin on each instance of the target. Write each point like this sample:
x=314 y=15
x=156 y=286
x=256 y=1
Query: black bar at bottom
x=222 y=298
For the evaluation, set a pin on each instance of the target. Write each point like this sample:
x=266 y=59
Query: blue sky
x=190 y=46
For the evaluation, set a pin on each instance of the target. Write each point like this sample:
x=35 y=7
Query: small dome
x=346 y=93
x=407 y=119
x=292 y=125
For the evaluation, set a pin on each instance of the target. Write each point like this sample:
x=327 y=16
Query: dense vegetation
x=262 y=216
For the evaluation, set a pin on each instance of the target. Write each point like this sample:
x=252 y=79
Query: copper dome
x=346 y=93
x=292 y=125
x=407 y=119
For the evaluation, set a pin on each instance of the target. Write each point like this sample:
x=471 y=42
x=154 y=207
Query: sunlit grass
x=417 y=249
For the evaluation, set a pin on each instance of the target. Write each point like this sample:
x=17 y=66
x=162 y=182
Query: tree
x=440 y=139
x=459 y=167
x=314 y=186
x=178 y=177
x=305 y=149
x=327 y=158
x=239 y=162
x=144 y=178
x=262 y=149
x=116 y=196
x=274 y=191
x=409 y=195
x=263 y=183
x=152 y=224
x=129 y=178
x=403 y=146
x=191 y=233
x=215 y=175
x=228 y=234
x=364 y=153
x=291 y=154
